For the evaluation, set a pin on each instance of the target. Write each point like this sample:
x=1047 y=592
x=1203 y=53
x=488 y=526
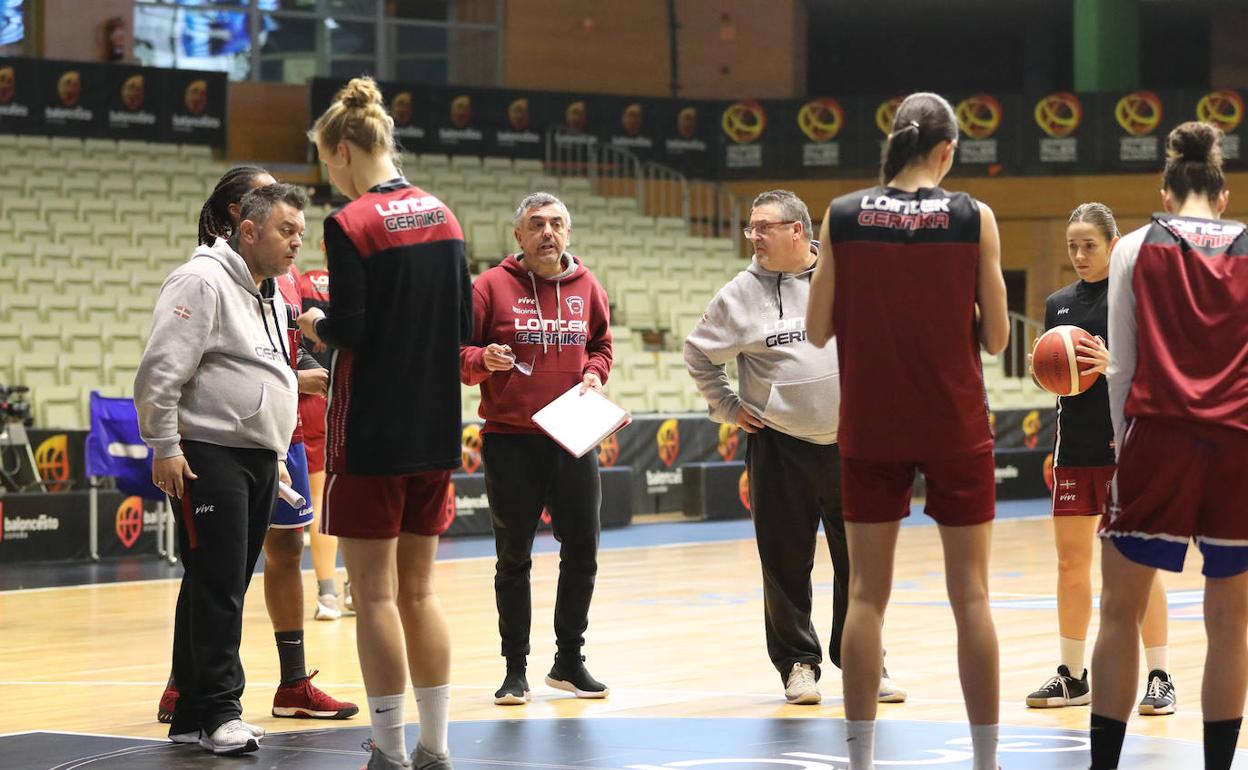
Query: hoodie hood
x=772 y=277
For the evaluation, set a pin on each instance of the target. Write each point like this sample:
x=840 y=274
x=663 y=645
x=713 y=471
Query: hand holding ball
x=1054 y=361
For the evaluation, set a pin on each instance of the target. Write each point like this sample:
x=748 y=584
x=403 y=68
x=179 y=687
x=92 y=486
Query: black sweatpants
x=222 y=521
x=794 y=485
x=523 y=473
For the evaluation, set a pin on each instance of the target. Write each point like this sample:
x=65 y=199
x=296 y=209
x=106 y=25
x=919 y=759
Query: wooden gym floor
x=675 y=631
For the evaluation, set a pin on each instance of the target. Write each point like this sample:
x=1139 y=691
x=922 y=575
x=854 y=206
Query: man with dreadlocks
x=283 y=542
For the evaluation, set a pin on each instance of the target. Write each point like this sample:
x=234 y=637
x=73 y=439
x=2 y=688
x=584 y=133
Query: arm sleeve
x=472 y=369
x=183 y=322
x=1122 y=330
x=713 y=343
x=343 y=324
x=306 y=360
x=599 y=348
x=465 y=298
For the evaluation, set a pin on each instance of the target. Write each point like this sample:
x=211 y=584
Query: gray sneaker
x=424 y=759
x=379 y=761
x=1159 y=696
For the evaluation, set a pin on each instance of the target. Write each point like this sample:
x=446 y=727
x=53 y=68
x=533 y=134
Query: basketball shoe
x=1159 y=696
x=800 y=688
x=569 y=674
x=890 y=691
x=302 y=699
x=424 y=759
x=168 y=703
x=515 y=689
x=379 y=761
x=327 y=607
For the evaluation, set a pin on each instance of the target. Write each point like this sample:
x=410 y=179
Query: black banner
x=1021 y=474
x=687 y=136
x=39 y=527
x=747 y=150
x=988 y=127
x=631 y=123
x=1060 y=134
x=117 y=101
x=1225 y=109
x=127 y=525
x=1132 y=128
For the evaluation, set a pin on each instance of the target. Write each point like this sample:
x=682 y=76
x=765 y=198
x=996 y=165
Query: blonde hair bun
x=360 y=93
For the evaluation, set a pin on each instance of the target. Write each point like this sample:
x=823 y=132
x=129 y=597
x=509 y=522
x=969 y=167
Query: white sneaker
x=327 y=607
x=890 y=691
x=800 y=688
x=187 y=737
x=348 y=604
x=255 y=730
x=232 y=737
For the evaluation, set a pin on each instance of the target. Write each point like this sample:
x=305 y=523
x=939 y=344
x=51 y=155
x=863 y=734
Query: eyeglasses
x=762 y=228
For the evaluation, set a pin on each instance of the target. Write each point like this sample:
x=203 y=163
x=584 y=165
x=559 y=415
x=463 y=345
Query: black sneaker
x=515 y=689
x=569 y=674
x=1159 y=698
x=1062 y=690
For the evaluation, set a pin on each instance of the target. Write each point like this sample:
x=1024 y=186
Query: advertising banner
x=1132 y=128
x=686 y=136
x=1223 y=108
x=116 y=101
x=1059 y=135
x=39 y=527
x=988 y=130
x=746 y=150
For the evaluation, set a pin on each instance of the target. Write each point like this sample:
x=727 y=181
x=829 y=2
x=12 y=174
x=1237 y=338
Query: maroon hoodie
x=561 y=325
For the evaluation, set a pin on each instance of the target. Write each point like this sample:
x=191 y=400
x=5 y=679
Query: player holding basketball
x=908 y=266
x=402 y=304
x=1178 y=395
x=1083 y=463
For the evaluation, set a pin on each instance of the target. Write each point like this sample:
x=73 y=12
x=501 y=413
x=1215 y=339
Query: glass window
x=419 y=10
x=351 y=37
x=287 y=34
x=172 y=36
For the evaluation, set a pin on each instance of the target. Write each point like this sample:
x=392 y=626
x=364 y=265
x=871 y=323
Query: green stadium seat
x=19 y=308
x=85 y=340
x=37 y=369
x=59 y=308
x=120 y=368
x=97 y=309
x=80 y=370
x=58 y=407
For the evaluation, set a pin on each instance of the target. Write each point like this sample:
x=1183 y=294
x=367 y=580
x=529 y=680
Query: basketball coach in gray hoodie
x=789 y=405
x=217 y=401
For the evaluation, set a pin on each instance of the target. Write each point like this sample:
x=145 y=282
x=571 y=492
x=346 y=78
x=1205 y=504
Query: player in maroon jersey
x=1178 y=395
x=910 y=283
x=1083 y=463
x=402 y=304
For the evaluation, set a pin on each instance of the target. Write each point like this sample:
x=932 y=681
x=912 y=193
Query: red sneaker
x=168 y=702
x=302 y=699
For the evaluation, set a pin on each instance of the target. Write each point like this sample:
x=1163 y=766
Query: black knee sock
x=1107 y=737
x=1220 y=740
x=290 y=653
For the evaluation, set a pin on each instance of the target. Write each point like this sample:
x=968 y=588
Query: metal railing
x=708 y=209
x=1023 y=334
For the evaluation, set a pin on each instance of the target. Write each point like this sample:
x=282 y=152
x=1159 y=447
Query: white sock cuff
x=442 y=691
x=1155 y=657
x=386 y=710
x=1073 y=652
x=984 y=742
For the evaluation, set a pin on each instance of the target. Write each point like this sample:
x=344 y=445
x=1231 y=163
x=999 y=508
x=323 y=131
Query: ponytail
x=923 y=121
x=214 y=218
x=358 y=115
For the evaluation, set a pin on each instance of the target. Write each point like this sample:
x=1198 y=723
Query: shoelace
x=805 y=675
x=1155 y=686
x=1057 y=681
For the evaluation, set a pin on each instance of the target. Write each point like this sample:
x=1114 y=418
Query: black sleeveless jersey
x=1085 y=433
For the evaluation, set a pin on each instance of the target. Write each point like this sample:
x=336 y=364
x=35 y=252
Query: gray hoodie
x=759 y=318
x=217 y=366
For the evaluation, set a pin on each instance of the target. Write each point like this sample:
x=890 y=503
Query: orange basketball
x=1054 y=362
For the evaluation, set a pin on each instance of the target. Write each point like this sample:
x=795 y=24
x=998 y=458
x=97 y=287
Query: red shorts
x=312 y=415
x=1081 y=490
x=1176 y=481
x=379 y=507
x=960 y=492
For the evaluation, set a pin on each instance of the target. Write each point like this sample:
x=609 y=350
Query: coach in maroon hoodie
x=540 y=326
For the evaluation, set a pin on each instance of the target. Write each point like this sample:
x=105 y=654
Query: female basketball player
x=908 y=266
x=402 y=305
x=296 y=696
x=1083 y=464
x=1178 y=396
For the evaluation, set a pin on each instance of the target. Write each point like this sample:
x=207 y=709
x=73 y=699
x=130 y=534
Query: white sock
x=386 y=714
x=434 y=706
x=1156 y=657
x=860 y=738
x=1072 y=654
x=984 y=745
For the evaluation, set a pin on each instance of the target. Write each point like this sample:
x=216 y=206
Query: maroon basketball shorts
x=1081 y=490
x=961 y=491
x=379 y=507
x=1179 y=480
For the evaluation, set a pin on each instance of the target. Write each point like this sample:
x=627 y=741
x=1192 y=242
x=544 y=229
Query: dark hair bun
x=1195 y=142
x=360 y=93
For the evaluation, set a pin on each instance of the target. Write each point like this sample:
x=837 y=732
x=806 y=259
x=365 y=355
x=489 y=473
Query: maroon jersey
x=904 y=315
x=1178 y=295
x=288 y=286
x=314 y=292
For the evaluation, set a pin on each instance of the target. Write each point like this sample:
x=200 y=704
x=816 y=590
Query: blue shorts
x=284 y=516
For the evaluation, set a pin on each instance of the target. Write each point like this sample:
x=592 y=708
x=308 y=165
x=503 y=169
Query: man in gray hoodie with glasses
x=788 y=402
x=217 y=399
